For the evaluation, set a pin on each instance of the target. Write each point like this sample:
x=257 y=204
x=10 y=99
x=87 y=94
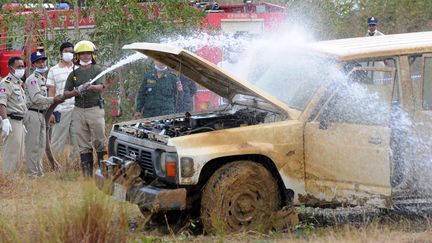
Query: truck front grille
x=144 y=157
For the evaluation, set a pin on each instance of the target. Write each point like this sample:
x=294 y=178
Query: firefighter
x=88 y=113
x=12 y=110
x=157 y=93
x=34 y=120
x=372 y=27
x=63 y=130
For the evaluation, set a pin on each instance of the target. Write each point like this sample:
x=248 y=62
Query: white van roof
x=377 y=46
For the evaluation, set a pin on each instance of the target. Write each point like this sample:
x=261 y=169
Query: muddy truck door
x=347 y=144
x=418 y=168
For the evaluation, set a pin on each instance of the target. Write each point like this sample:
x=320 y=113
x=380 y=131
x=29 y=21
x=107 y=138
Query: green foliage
x=121 y=22
x=330 y=19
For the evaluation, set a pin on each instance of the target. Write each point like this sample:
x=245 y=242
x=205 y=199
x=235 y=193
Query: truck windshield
x=292 y=78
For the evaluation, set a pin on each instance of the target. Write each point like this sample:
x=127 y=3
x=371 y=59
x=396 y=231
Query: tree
x=330 y=19
x=121 y=22
x=118 y=22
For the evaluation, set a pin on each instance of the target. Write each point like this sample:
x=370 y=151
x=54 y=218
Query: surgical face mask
x=19 y=73
x=67 y=56
x=82 y=63
x=158 y=68
x=41 y=70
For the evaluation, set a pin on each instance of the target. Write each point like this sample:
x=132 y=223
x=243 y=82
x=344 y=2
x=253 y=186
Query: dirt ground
x=31 y=210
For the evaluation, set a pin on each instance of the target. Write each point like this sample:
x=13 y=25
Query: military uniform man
x=12 y=110
x=157 y=93
x=372 y=27
x=34 y=120
x=185 y=96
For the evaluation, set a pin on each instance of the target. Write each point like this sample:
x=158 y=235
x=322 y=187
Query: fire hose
x=55 y=165
x=52 y=160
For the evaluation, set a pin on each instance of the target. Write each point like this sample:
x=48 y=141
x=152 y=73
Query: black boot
x=100 y=157
x=87 y=164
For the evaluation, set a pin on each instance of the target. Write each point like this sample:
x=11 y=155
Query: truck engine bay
x=163 y=129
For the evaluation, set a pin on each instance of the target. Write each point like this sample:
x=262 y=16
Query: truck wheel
x=242 y=195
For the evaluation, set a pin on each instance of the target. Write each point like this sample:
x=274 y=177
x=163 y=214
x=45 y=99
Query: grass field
x=63 y=207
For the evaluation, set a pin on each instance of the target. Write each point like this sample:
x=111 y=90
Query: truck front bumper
x=117 y=179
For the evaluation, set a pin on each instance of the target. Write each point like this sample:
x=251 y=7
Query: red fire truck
x=254 y=19
x=249 y=18
x=25 y=38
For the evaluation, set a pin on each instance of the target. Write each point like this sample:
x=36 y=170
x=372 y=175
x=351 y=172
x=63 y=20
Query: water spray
x=130 y=59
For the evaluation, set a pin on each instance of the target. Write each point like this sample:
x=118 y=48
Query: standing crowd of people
x=78 y=121
x=78 y=118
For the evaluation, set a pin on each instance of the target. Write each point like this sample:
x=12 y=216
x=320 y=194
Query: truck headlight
x=187 y=167
x=168 y=164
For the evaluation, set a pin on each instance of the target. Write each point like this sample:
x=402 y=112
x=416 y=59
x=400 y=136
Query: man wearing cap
x=372 y=27
x=12 y=109
x=34 y=120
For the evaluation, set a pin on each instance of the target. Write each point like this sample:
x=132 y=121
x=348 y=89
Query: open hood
x=203 y=72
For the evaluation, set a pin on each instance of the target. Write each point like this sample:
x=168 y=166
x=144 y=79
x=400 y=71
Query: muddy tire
x=242 y=195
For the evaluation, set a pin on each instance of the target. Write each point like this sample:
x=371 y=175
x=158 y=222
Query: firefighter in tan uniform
x=38 y=103
x=88 y=114
x=12 y=110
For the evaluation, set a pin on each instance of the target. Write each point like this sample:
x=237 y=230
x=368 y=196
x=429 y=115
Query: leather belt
x=37 y=110
x=16 y=117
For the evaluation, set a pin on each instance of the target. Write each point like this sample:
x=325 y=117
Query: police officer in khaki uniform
x=34 y=120
x=89 y=113
x=12 y=110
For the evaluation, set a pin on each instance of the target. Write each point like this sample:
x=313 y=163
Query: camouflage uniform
x=157 y=96
x=184 y=98
x=12 y=96
x=35 y=140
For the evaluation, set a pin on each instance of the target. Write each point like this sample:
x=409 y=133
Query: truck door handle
x=375 y=140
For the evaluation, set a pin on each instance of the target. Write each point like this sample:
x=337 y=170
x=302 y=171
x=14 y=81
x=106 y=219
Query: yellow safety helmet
x=84 y=46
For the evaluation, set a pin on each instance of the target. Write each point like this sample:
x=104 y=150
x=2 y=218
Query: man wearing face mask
x=12 y=110
x=34 y=120
x=63 y=131
x=157 y=93
x=88 y=113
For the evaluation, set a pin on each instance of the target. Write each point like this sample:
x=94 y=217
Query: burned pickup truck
x=336 y=123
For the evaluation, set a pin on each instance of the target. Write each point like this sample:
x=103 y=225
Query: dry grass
x=63 y=207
